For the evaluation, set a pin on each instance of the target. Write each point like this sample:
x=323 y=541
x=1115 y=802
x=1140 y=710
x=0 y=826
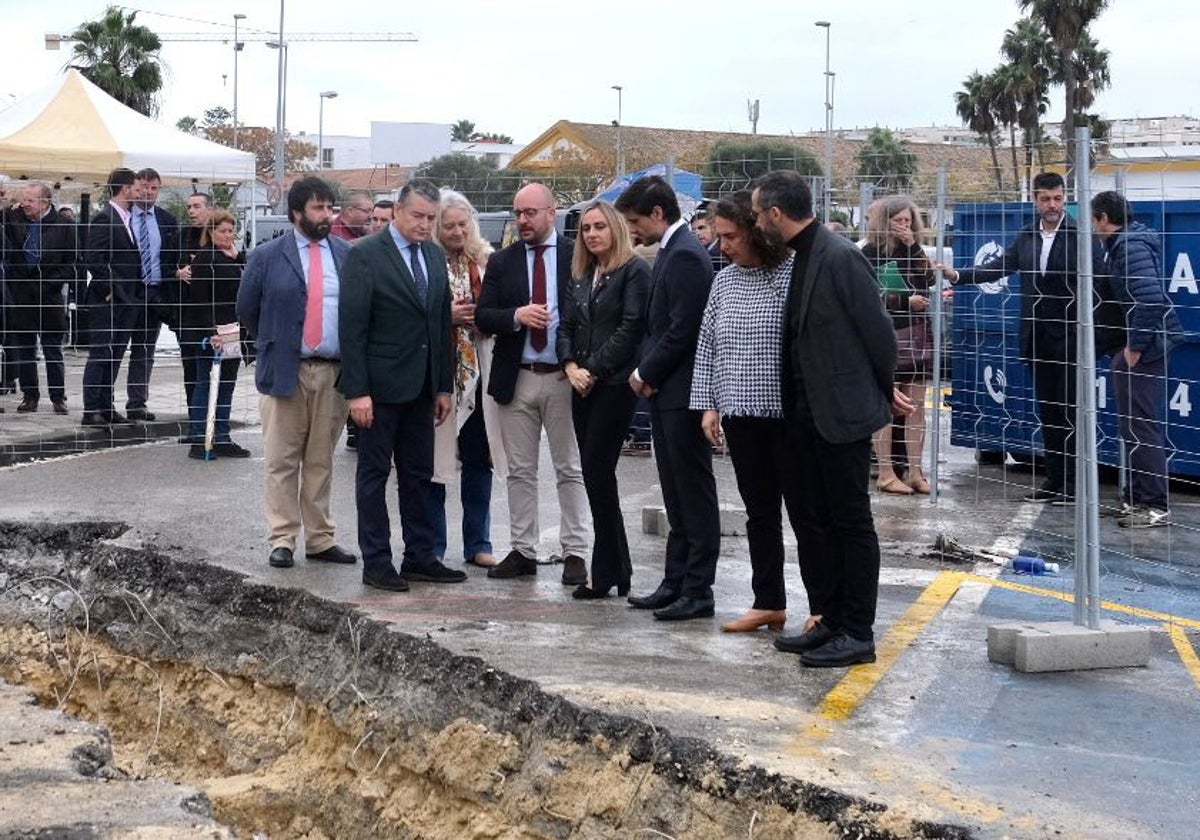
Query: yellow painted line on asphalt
x=1069 y=597
x=861 y=680
x=1186 y=652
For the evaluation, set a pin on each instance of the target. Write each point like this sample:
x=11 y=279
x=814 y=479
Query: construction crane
x=54 y=41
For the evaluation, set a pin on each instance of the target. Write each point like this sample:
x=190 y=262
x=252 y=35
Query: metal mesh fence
x=990 y=448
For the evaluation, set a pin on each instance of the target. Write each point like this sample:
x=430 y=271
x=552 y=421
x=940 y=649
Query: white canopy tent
x=73 y=130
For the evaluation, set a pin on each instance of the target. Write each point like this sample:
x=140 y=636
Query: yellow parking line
x=1186 y=652
x=861 y=680
x=1069 y=597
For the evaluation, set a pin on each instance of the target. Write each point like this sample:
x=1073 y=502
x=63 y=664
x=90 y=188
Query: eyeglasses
x=529 y=212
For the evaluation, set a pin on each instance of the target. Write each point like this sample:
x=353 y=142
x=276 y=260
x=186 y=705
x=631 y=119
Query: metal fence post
x=1087 y=482
x=937 y=315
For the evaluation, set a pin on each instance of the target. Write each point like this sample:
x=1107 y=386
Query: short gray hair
x=426 y=189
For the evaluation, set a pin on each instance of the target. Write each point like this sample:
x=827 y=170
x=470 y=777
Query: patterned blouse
x=739 y=354
x=464 y=282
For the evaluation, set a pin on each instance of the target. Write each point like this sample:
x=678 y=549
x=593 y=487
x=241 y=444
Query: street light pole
x=326 y=94
x=280 y=105
x=237 y=48
x=828 y=197
x=620 y=150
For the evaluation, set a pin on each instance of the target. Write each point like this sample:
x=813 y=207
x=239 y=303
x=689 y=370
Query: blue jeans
x=475 y=489
x=198 y=410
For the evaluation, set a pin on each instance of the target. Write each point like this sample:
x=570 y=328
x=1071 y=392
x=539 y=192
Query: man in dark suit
x=397 y=373
x=838 y=362
x=156 y=233
x=679 y=287
x=288 y=302
x=115 y=298
x=1045 y=253
x=37 y=257
x=519 y=304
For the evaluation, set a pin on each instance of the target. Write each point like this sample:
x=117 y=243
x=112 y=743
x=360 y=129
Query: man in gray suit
x=838 y=362
x=288 y=302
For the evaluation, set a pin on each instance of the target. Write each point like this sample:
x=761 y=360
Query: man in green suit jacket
x=397 y=373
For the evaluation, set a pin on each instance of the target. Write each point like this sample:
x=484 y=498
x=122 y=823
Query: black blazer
x=114 y=261
x=1047 y=300
x=602 y=326
x=840 y=335
x=35 y=292
x=393 y=344
x=506 y=285
x=679 y=288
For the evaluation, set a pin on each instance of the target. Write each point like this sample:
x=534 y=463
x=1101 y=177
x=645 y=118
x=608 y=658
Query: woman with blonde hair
x=471 y=434
x=906 y=276
x=603 y=324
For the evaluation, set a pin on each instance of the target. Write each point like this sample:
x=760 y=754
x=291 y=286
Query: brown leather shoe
x=773 y=620
x=60 y=406
x=574 y=571
x=28 y=405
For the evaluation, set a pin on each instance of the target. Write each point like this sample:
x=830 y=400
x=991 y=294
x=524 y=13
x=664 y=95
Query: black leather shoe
x=432 y=572
x=28 y=405
x=514 y=565
x=281 y=558
x=588 y=593
x=388 y=579
x=196 y=451
x=840 y=651
x=94 y=418
x=686 y=608
x=333 y=554
x=60 y=406
x=574 y=571
x=659 y=598
x=140 y=414
x=802 y=642
x=229 y=449
x=115 y=418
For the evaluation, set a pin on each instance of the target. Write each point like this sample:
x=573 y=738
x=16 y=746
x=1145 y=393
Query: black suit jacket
x=35 y=291
x=113 y=260
x=602 y=325
x=842 y=338
x=392 y=344
x=506 y=285
x=1047 y=300
x=679 y=288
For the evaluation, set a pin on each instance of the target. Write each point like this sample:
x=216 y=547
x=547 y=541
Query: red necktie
x=537 y=337
x=314 y=309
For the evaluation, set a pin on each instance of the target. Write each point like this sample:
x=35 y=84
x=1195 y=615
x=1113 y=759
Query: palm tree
x=1001 y=89
x=1027 y=79
x=121 y=58
x=886 y=161
x=975 y=106
x=1067 y=22
x=462 y=131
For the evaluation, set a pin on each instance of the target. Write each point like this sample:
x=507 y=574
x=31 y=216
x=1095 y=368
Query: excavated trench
x=301 y=718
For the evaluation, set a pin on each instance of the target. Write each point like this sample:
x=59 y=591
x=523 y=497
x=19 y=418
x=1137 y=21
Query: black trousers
x=684 y=460
x=766 y=476
x=112 y=327
x=401 y=434
x=1054 y=386
x=836 y=530
x=602 y=421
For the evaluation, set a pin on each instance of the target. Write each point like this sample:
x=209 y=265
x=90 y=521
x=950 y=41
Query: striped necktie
x=143 y=235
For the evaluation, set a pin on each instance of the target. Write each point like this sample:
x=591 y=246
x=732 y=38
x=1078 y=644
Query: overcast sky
x=515 y=67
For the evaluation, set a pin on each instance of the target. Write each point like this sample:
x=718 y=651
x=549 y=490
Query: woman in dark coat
x=603 y=323
x=210 y=300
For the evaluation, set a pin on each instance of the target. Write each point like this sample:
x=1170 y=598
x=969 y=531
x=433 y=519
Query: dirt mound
x=301 y=718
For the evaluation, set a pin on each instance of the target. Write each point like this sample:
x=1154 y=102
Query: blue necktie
x=33 y=244
x=419 y=274
x=143 y=235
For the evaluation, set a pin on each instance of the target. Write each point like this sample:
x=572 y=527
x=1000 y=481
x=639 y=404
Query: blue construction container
x=993 y=408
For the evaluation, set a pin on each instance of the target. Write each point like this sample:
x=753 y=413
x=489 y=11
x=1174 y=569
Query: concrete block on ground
x=654 y=521
x=1037 y=647
x=733 y=521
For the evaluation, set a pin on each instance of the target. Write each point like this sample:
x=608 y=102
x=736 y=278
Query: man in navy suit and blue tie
x=679 y=287
x=288 y=302
x=397 y=373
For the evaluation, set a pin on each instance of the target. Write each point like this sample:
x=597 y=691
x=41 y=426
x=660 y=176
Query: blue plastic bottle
x=1024 y=565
